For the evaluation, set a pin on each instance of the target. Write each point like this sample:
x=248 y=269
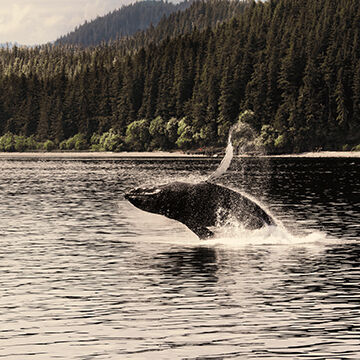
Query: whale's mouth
x=141 y=193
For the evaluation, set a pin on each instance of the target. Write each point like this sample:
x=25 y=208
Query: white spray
x=225 y=162
x=245 y=142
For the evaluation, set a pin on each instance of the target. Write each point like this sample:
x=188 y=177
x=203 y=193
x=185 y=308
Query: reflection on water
x=84 y=275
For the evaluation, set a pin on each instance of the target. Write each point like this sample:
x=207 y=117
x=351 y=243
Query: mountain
x=10 y=45
x=120 y=23
x=200 y=15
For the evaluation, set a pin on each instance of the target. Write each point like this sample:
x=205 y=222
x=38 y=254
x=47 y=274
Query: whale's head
x=161 y=199
x=145 y=198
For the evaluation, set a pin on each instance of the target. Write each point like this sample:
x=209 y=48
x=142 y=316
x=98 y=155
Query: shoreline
x=322 y=154
x=161 y=154
x=94 y=155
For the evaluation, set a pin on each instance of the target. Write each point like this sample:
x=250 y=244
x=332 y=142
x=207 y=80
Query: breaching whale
x=200 y=205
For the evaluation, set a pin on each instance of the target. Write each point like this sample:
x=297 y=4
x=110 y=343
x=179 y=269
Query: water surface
x=85 y=275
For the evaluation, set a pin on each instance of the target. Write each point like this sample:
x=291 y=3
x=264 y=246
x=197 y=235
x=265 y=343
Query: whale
x=200 y=206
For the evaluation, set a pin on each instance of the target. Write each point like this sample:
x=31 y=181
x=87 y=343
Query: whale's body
x=200 y=206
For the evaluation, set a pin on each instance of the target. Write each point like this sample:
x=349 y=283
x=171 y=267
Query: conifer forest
x=181 y=83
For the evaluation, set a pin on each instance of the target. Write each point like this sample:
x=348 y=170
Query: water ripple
x=83 y=275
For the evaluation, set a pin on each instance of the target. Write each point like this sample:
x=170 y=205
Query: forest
x=294 y=63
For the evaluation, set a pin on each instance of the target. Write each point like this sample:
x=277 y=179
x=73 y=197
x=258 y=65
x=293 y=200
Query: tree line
x=294 y=63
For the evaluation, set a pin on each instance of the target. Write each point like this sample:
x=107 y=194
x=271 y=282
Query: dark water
x=85 y=275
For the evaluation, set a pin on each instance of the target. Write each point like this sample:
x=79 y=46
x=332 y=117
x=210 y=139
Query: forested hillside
x=121 y=23
x=199 y=16
x=295 y=63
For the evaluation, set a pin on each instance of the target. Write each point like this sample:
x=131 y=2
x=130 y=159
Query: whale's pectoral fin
x=201 y=231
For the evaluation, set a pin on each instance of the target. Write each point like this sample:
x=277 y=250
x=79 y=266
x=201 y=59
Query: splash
x=226 y=161
x=242 y=140
x=235 y=235
x=229 y=232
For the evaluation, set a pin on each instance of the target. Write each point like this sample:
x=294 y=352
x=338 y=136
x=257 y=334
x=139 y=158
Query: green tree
x=137 y=135
x=185 y=139
x=157 y=131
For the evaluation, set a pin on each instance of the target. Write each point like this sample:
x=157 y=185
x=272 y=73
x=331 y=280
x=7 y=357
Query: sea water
x=85 y=275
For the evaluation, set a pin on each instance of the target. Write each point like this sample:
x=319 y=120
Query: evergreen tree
x=295 y=63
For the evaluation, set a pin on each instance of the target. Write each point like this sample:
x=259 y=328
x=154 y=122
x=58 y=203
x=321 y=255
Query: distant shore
x=158 y=154
x=323 y=154
x=94 y=155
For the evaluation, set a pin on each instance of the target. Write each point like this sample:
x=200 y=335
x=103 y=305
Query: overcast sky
x=31 y=22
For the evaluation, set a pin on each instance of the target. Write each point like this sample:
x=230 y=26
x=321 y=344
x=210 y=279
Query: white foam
x=238 y=236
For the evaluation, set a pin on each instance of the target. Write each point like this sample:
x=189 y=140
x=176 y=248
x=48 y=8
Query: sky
x=33 y=22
